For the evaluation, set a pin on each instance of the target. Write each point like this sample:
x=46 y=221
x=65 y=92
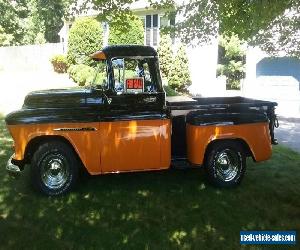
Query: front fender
x=84 y=138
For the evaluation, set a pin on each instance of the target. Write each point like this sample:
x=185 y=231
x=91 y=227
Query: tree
x=51 y=13
x=272 y=25
x=5 y=39
x=85 y=37
x=12 y=15
x=165 y=55
x=33 y=24
x=132 y=33
x=231 y=61
x=281 y=37
x=31 y=21
x=179 y=78
x=202 y=20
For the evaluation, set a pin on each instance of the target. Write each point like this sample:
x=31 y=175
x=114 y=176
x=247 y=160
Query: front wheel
x=54 y=168
x=225 y=164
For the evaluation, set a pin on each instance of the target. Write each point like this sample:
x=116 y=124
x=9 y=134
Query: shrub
x=169 y=91
x=82 y=74
x=165 y=56
x=132 y=33
x=179 y=78
x=231 y=61
x=59 y=63
x=85 y=37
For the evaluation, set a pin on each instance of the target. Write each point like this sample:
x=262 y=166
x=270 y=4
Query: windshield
x=132 y=75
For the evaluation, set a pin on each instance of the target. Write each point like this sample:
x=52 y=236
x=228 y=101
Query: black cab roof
x=124 y=50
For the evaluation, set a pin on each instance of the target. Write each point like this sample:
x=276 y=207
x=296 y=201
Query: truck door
x=135 y=131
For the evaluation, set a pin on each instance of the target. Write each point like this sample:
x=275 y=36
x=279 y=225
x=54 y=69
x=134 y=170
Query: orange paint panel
x=85 y=143
x=135 y=145
x=256 y=135
x=99 y=55
x=165 y=146
x=112 y=147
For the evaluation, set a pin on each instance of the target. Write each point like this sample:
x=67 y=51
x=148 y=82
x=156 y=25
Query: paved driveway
x=288 y=133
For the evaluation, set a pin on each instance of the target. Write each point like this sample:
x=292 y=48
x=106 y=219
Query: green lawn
x=173 y=209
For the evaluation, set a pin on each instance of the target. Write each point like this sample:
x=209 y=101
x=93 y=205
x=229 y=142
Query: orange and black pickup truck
x=123 y=122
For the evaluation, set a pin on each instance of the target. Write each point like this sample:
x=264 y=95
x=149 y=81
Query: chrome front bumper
x=12 y=169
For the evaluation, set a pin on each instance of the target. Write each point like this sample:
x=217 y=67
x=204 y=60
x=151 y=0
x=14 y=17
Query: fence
x=29 y=57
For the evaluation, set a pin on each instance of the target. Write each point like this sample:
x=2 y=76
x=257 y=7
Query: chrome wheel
x=227 y=165
x=54 y=171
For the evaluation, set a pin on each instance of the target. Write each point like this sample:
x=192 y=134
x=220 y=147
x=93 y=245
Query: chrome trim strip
x=75 y=129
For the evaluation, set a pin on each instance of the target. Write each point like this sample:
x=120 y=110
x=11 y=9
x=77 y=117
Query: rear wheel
x=225 y=163
x=54 y=168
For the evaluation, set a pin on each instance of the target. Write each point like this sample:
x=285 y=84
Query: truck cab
x=124 y=123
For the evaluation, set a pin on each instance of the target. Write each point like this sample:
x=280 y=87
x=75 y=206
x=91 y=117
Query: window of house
x=172 y=18
x=172 y=24
x=152 y=29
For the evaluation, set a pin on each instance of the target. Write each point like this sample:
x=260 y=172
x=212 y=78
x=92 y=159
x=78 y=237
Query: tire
x=54 y=168
x=225 y=164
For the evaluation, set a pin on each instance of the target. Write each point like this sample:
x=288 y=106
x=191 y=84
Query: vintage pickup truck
x=123 y=123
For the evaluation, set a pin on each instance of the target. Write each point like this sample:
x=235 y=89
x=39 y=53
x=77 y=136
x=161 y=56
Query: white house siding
x=203 y=65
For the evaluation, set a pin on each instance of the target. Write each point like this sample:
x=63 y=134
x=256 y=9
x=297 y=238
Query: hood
x=54 y=98
x=58 y=105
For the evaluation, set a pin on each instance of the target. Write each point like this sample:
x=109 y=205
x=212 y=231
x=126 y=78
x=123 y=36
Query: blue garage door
x=279 y=66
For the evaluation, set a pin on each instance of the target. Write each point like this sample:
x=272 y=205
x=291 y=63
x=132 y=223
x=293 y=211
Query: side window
x=100 y=79
x=118 y=70
x=133 y=75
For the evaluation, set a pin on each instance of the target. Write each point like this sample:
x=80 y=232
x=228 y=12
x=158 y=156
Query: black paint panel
x=178 y=149
x=128 y=50
x=199 y=118
x=78 y=115
x=73 y=97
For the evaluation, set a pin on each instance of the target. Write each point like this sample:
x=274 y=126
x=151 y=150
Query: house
x=202 y=59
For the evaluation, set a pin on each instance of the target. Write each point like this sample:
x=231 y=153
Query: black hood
x=58 y=105
x=53 y=98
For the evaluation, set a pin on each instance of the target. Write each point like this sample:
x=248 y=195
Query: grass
x=173 y=209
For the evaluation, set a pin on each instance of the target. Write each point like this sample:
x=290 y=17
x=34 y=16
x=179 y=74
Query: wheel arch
x=35 y=142
x=246 y=148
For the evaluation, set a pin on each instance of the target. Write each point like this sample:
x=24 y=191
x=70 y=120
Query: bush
x=132 y=33
x=165 y=56
x=169 y=91
x=179 y=78
x=85 y=37
x=82 y=74
x=59 y=63
x=231 y=61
